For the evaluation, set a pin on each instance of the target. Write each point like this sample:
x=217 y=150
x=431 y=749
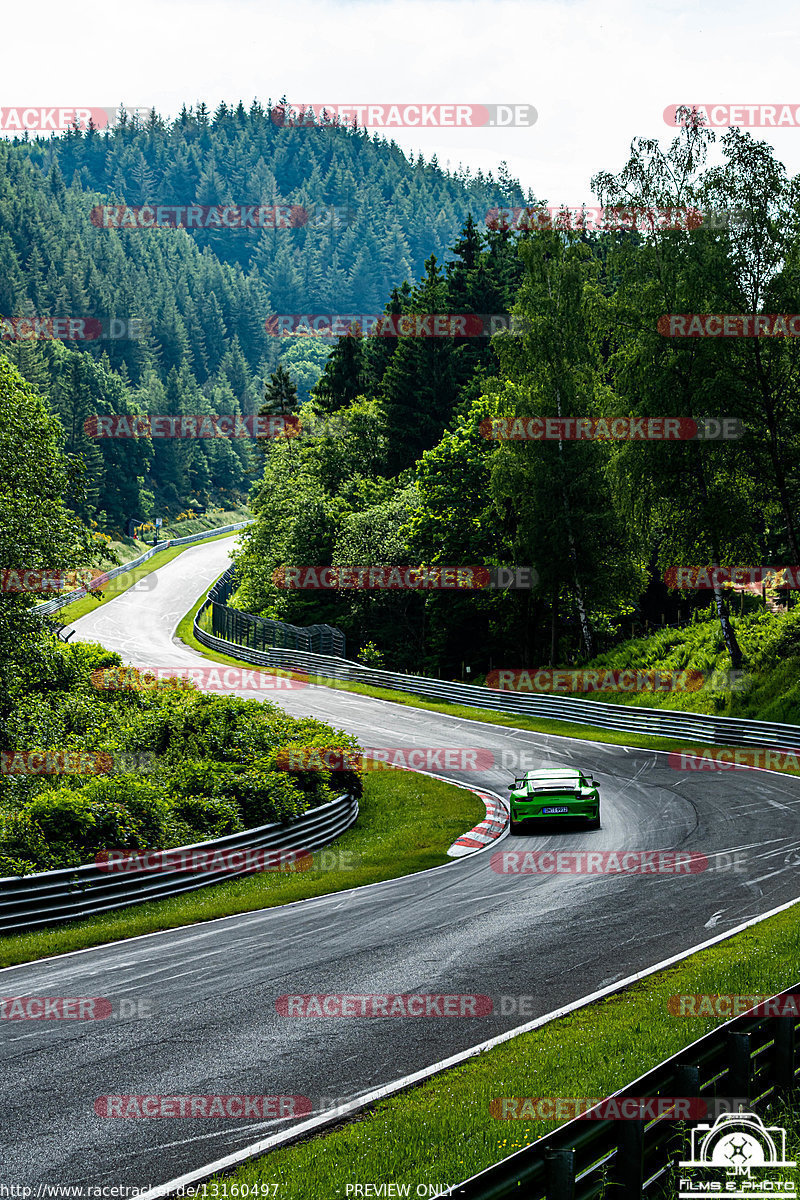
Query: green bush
x=260 y=793
x=75 y=826
x=214 y=768
x=16 y=866
x=34 y=722
x=204 y=777
x=148 y=810
x=370 y=656
x=265 y=796
x=22 y=841
x=208 y=816
x=180 y=723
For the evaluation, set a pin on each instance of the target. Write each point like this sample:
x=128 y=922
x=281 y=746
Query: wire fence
x=260 y=633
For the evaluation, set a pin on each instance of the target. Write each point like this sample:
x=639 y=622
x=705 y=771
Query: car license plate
x=546 y=812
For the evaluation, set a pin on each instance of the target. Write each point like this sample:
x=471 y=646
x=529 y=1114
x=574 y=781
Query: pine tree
x=280 y=395
x=344 y=376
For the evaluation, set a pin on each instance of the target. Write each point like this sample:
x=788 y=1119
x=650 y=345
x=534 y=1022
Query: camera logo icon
x=737 y=1142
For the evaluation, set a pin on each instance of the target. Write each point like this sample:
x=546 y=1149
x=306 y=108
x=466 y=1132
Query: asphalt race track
x=465 y=929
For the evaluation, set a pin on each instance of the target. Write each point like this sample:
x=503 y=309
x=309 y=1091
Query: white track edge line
x=277 y=1139
x=252 y=912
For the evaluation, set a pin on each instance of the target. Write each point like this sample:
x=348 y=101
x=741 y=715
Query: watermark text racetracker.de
x=394 y=325
x=414 y=115
x=715 y=1004
x=772 y=115
x=247 y=860
x=518 y=428
x=221 y=217
x=74 y=1008
x=733 y=758
x=376 y=1005
x=190 y=425
x=211 y=678
x=379 y=758
x=418 y=578
x=75 y=762
x=729 y=325
x=614 y=1108
x=615 y=862
x=712 y=577
x=236 y=1106
x=547 y=680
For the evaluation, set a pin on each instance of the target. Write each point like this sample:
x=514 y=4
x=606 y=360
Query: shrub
x=74 y=827
x=34 y=722
x=265 y=796
x=16 y=866
x=261 y=794
x=22 y=841
x=148 y=810
x=371 y=656
x=208 y=816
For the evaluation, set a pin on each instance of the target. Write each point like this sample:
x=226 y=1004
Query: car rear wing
x=547 y=789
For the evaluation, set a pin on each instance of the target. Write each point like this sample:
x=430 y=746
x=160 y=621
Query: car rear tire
x=516 y=826
x=595 y=822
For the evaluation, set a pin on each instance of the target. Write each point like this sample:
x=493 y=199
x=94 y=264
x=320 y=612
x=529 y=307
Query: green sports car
x=557 y=792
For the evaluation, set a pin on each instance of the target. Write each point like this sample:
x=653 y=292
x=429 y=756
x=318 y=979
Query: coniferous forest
x=393 y=466
x=203 y=295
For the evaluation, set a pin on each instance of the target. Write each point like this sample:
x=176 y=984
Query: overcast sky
x=598 y=74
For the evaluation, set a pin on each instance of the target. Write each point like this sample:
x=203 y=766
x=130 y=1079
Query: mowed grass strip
x=406 y=824
x=567 y=729
x=442 y=1131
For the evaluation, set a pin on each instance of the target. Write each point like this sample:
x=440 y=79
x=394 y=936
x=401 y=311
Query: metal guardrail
x=51 y=606
x=52 y=897
x=628 y=719
x=245 y=629
x=750 y=1060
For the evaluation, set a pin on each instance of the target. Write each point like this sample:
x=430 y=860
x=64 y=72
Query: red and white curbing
x=488 y=831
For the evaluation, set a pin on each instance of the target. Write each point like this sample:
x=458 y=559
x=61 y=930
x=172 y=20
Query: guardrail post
x=686 y=1085
x=740 y=1068
x=784 y=1053
x=628 y=1172
x=687 y=1080
x=560 y=1174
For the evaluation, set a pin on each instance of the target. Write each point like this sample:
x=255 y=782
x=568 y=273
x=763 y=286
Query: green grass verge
x=126 y=548
x=569 y=729
x=79 y=608
x=442 y=1131
x=770 y=645
x=787 y=1115
x=406 y=824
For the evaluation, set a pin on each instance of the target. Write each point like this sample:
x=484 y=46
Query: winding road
x=212 y=988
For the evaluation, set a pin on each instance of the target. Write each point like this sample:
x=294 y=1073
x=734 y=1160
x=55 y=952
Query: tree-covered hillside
x=204 y=295
x=404 y=474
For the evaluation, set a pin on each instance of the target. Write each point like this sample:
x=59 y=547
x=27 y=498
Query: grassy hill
x=768 y=691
